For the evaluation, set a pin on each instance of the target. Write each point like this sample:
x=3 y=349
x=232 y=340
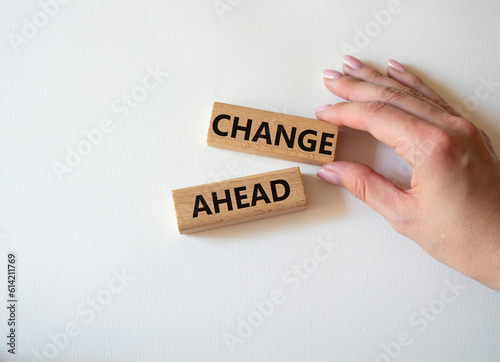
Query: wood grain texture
x=272 y=134
x=238 y=200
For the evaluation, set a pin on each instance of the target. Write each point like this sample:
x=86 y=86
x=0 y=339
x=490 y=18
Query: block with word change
x=272 y=134
x=238 y=200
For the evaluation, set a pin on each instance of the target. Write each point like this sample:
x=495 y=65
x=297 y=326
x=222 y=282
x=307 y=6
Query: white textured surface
x=113 y=212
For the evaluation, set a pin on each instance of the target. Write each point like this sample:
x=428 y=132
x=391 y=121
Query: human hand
x=452 y=209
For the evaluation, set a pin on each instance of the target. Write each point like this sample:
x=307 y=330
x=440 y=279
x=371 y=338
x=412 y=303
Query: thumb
x=382 y=195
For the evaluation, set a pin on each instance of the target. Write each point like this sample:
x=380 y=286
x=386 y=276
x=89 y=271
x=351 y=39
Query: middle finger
x=356 y=90
x=355 y=68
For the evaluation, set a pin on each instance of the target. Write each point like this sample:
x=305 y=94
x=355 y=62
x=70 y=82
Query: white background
x=111 y=214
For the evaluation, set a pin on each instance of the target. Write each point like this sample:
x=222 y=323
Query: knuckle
x=435 y=100
x=390 y=94
x=339 y=108
x=417 y=81
x=440 y=102
x=360 y=185
x=441 y=138
x=467 y=129
x=436 y=113
x=413 y=93
x=442 y=144
x=374 y=108
x=349 y=86
x=374 y=76
x=359 y=189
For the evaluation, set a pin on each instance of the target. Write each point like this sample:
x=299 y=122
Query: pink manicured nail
x=329 y=176
x=321 y=108
x=396 y=65
x=353 y=62
x=331 y=74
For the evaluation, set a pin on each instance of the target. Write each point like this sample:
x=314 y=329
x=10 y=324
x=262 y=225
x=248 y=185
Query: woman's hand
x=452 y=209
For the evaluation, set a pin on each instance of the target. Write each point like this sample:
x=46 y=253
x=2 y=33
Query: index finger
x=390 y=125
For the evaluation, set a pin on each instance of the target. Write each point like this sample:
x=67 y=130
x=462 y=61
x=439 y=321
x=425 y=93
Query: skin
x=452 y=210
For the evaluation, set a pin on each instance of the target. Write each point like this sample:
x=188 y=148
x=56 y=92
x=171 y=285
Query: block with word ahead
x=272 y=134
x=238 y=200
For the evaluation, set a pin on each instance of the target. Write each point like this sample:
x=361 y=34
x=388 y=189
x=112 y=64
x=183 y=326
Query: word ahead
x=272 y=134
x=238 y=200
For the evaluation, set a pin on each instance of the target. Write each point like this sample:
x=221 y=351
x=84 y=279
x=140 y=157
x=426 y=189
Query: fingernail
x=396 y=65
x=331 y=74
x=329 y=176
x=352 y=62
x=321 y=108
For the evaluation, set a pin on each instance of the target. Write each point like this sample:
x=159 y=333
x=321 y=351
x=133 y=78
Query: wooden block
x=238 y=200
x=272 y=134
